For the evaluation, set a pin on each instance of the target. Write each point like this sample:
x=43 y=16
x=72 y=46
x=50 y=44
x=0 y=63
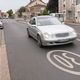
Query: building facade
x=67 y=7
x=77 y=11
x=35 y=7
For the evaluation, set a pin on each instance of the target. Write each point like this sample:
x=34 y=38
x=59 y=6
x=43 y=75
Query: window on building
x=64 y=5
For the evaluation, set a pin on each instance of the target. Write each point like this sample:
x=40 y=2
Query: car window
x=48 y=21
x=33 y=21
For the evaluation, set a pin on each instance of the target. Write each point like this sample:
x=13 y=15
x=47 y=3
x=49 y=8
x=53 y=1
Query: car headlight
x=73 y=33
x=46 y=35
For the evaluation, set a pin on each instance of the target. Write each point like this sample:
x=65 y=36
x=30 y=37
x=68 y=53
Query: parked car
x=49 y=30
x=60 y=16
x=1 y=25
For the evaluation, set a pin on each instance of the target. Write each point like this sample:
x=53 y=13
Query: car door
x=33 y=28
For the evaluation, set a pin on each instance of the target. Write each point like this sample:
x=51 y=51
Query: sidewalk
x=4 y=70
x=68 y=23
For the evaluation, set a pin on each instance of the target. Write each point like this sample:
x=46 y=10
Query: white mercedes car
x=49 y=30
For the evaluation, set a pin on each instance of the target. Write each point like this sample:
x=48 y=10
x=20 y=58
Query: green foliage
x=21 y=10
x=53 y=6
x=45 y=12
x=10 y=13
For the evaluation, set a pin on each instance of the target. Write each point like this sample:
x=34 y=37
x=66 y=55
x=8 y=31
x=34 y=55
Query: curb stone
x=4 y=69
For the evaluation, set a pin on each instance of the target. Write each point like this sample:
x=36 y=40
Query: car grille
x=62 y=34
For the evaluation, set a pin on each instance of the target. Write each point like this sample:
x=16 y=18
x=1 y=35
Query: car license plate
x=63 y=40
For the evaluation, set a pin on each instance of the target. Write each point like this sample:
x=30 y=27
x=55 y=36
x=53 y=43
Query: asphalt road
x=29 y=62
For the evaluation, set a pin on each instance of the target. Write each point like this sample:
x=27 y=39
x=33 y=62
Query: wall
x=77 y=13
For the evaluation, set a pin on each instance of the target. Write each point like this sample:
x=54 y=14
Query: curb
x=72 y=24
x=4 y=69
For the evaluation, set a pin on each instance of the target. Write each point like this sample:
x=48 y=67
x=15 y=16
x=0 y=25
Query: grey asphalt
x=29 y=62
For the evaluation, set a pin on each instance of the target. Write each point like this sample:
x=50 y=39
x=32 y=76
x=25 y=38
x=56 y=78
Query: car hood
x=55 y=29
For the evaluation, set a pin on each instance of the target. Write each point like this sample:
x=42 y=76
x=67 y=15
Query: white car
x=60 y=16
x=49 y=30
x=1 y=25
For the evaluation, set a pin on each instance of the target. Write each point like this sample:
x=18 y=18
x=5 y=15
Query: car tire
x=28 y=33
x=72 y=43
x=39 y=42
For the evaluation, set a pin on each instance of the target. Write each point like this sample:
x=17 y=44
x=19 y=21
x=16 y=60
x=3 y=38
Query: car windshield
x=48 y=21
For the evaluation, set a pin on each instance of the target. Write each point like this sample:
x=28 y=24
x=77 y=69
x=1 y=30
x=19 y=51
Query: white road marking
x=62 y=68
x=72 y=59
x=69 y=65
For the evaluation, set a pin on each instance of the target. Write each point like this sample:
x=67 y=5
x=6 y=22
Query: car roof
x=42 y=16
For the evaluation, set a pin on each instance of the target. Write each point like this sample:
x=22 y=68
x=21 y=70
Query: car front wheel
x=28 y=33
x=1 y=27
x=39 y=42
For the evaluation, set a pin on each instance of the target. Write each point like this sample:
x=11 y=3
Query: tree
x=21 y=10
x=10 y=13
x=45 y=12
x=53 y=6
